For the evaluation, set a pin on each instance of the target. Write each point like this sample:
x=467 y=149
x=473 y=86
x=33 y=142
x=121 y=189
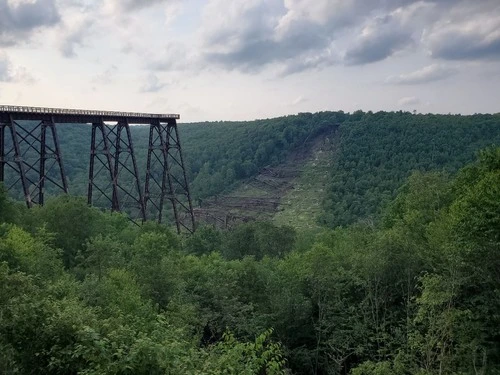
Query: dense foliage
x=83 y=291
x=378 y=151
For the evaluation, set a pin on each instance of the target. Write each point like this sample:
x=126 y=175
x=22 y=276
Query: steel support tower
x=113 y=175
x=166 y=178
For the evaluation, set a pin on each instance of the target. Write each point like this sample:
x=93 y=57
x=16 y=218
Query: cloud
x=430 y=73
x=298 y=34
x=132 y=5
x=175 y=56
x=107 y=77
x=408 y=101
x=474 y=39
x=18 y=19
x=387 y=34
x=292 y=36
x=465 y=30
x=310 y=61
x=5 y=73
x=75 y=35
x=87 y=20
x=152 y=84
x=243 y=36
x=9 y=73
x=379 y=40
x=299 y=100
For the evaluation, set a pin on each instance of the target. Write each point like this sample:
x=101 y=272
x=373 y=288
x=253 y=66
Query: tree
x=7 y=210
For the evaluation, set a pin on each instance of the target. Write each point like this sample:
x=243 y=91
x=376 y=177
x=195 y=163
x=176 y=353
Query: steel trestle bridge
x=30 y=153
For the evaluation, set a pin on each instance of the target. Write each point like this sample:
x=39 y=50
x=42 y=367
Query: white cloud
x=408 y=101
x=114 y=6
x=430 y=73
x=299 y=100
x=9 y=73
x=380 y=39
x=466 y=37
x=175 y=56
x=152 y=84
x=107 y=77
x=387 y=34
x=74 y=35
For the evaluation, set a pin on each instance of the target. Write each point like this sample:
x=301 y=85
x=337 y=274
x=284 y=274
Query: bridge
x=30 y=159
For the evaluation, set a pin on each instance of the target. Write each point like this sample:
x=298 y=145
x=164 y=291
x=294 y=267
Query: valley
x=327 y=243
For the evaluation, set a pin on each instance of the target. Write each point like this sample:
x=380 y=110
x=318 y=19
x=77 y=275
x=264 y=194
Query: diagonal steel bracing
x=113 y=175
x=166 y=177
x=30 y=158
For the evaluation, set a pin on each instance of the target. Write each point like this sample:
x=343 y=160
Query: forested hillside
x=377 y=152
x=87 y=292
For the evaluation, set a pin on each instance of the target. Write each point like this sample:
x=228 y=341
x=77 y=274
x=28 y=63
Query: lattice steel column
x=113 y=170
x=27 y=153
x=50 y=151
x=101 y=163
x=166 y=176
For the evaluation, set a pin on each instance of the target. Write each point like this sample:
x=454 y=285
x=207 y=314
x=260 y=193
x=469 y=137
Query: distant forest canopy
x=377 y=152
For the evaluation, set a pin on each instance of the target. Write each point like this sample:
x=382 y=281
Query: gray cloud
x=175 y=56
x=325 y=58
x=252 y=56
x=379 y=43
x=134 y=5
x=9 y=73
x=18 y=20
x=466 y=44
x=298 y=35
x=152 y=84
x=470 y=32
x=106 y=77
x=382 y=36
x=291 y=35
x=299 y=100
x=248 y=41
x=74 y=37
x=431 y=73
x=5 y=73
x=295 y=33
x=408 y=101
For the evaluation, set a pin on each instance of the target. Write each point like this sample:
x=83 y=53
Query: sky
x=247 y=59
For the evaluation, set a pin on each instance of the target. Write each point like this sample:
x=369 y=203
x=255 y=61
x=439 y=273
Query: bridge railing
x=79 y=112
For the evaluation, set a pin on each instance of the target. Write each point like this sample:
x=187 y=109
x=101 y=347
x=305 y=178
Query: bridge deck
x=61 y=115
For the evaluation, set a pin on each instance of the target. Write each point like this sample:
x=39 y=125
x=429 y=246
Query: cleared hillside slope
x=290 y=193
